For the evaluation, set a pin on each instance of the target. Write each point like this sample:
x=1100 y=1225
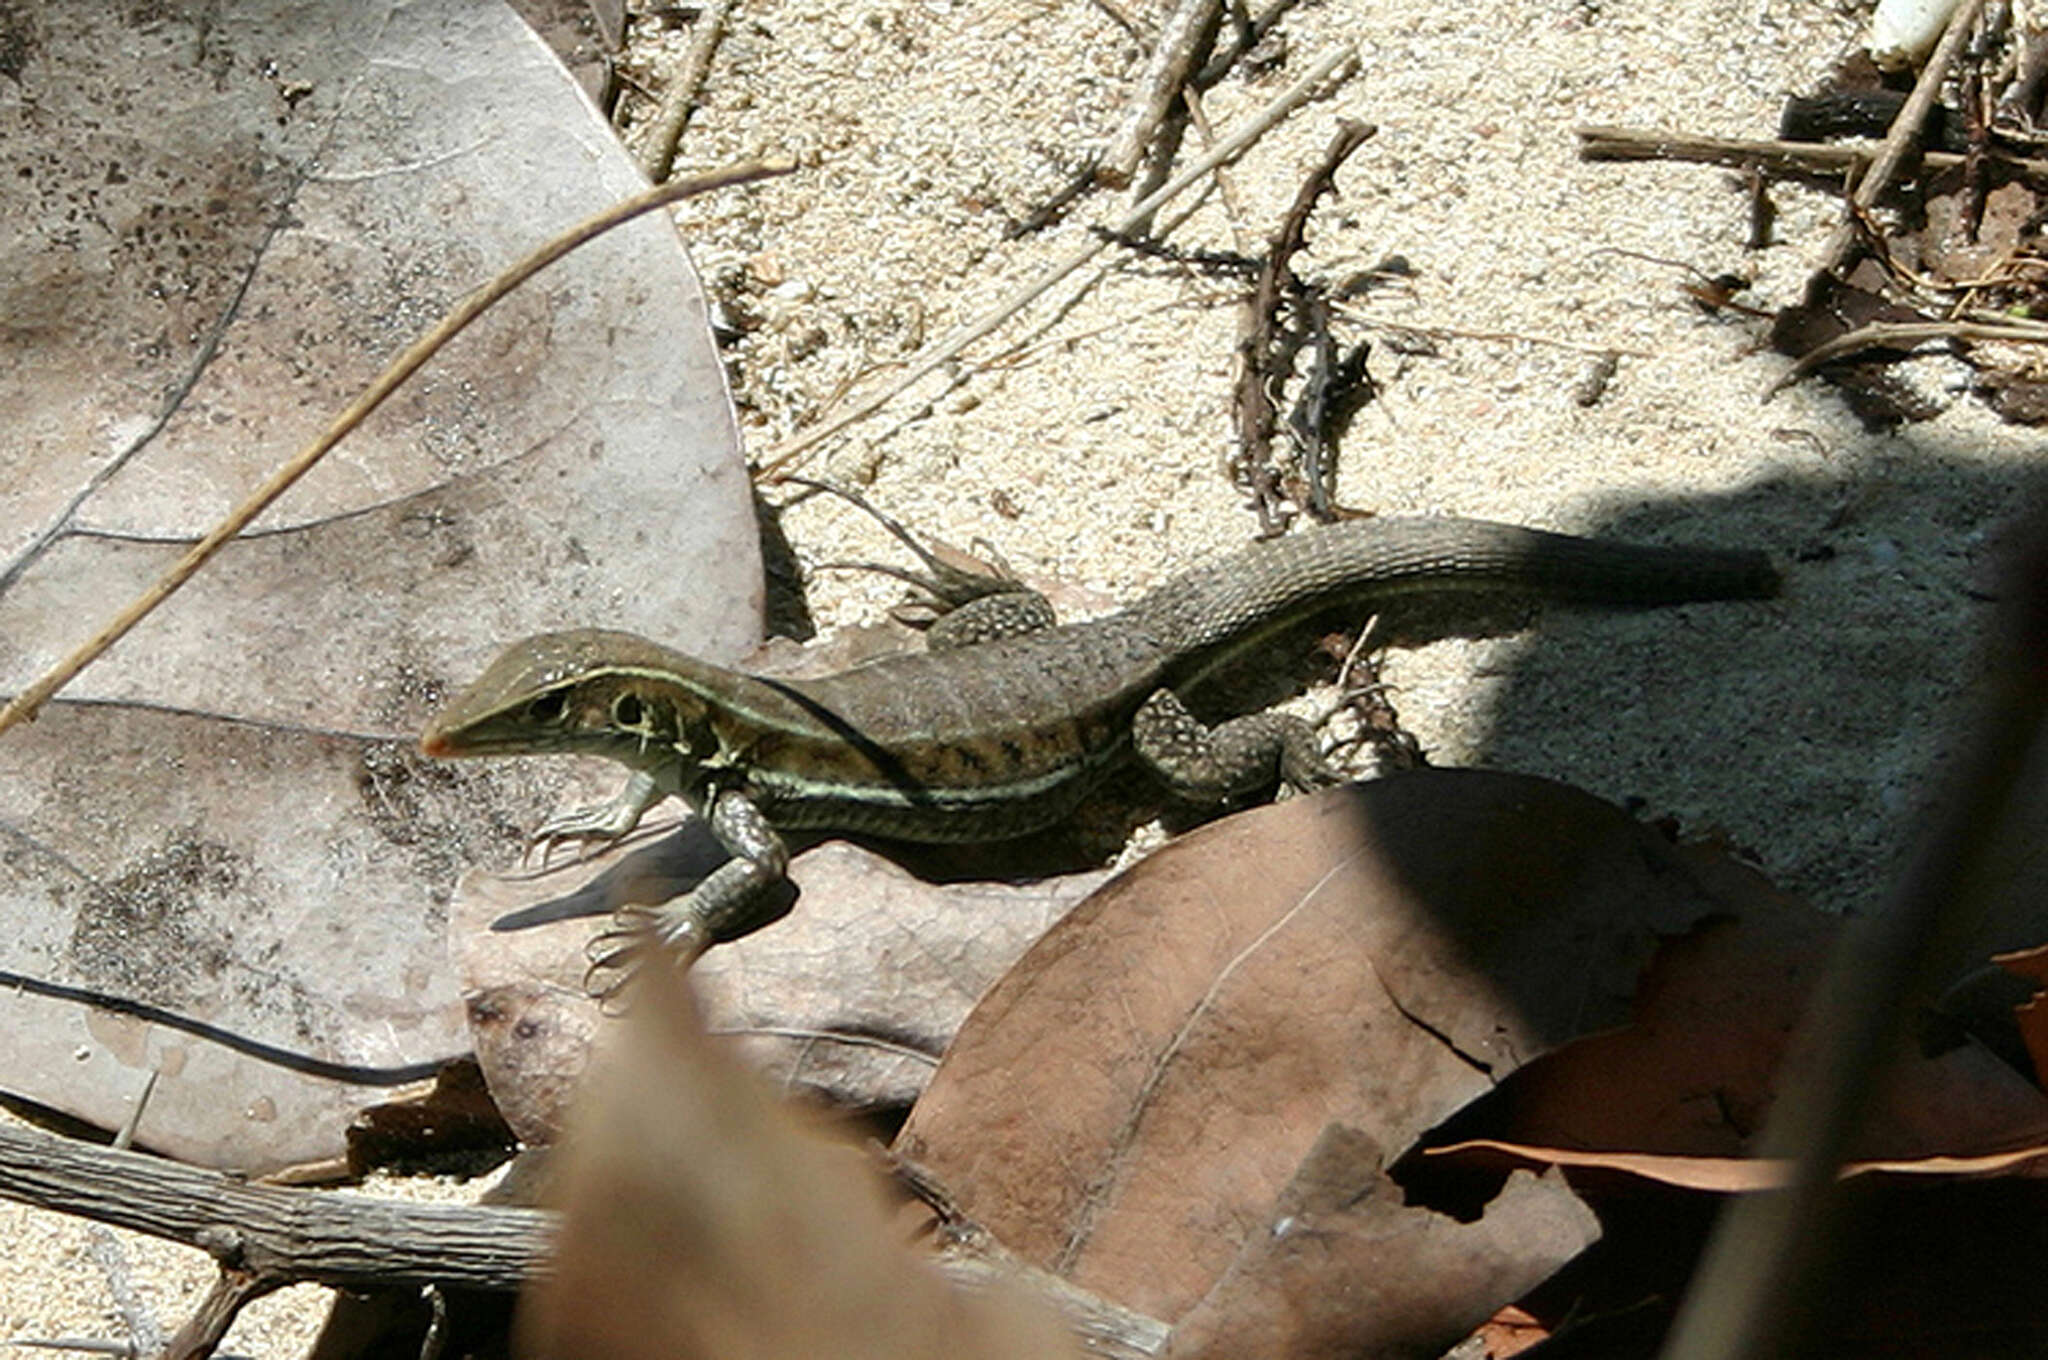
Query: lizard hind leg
x=1214 y=764
x=969 y=605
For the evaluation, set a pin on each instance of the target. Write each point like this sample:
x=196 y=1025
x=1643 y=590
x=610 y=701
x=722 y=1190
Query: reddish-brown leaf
x=1345 y=1269
x=1126 y=1105
x=1680 y=1092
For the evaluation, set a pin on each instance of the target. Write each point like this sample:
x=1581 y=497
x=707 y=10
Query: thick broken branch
x=1183 y=45
x=275 y=1234
x=264 y=1236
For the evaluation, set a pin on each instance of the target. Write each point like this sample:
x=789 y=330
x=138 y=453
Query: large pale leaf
x=851 y=997
x=223 y=220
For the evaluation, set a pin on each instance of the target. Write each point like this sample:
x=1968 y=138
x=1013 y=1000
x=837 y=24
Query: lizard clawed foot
x=599 y=826
x=949 y=585
x=636 y=934
x=544 y=841
x=588 y=831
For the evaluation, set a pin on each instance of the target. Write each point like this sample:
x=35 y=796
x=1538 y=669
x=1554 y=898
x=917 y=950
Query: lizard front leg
x=737 y=898
x=1211 y=764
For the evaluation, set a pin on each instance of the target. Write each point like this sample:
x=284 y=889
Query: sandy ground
x=1087 y=439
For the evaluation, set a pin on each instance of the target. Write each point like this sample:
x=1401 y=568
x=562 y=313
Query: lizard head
x=589 y=690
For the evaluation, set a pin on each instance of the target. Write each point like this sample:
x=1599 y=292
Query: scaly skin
x=1000 y=738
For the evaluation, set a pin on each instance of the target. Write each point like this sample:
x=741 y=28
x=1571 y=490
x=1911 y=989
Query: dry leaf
x=1679 y=1092
x=1124 y=1107
x=1729 y=1174
x=851 y=997
x=226 y=815
x=1346 y=1270
x=704 y=1220
x=1511 y=1331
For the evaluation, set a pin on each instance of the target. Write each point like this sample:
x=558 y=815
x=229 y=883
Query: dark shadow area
x=1803 y=731
x=1810 y=733
x=1933 y=1269
x=1807 y=730
x=786 y=612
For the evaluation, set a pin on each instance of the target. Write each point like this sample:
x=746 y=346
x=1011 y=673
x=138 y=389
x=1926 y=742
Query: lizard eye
x=626 y=710
x=548 y=707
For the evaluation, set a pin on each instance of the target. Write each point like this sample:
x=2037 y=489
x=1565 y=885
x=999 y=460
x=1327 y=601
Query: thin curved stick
x=25 y=704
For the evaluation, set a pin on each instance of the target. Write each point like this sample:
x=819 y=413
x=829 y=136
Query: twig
x=1055 y=207
x=1233 y=207
x=1772 y=157
x=1337 y=65
x=89 y=1345
x=1331 y=393
x=24 y=705
x=1023 y=350
x=1184 y=40
x=1246 y=36
x=658 y=156
x=1901 y=140
x=1117 y=16
x=1978 y=131
x=1763 y=213
x=1759 y=1282
x=1491 y=337
x=138 y=1319
x=1903 y=334
x=233 y=1289
x=1266 y=348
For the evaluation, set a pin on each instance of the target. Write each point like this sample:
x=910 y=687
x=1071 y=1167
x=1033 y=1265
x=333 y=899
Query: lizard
x=1007 y=719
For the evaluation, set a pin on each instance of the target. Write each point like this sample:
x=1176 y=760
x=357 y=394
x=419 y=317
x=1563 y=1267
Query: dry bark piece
x=1124 y=1106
